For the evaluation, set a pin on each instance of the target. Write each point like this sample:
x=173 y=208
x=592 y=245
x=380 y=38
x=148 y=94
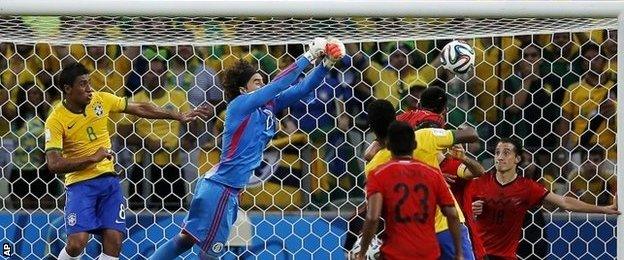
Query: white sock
x=63 y=255
x=107 y=257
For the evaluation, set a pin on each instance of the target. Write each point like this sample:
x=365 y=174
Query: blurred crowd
x=554 y=91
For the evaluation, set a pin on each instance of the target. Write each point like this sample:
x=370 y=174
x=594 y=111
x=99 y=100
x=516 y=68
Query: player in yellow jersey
x=432 y=140
x=78 y=146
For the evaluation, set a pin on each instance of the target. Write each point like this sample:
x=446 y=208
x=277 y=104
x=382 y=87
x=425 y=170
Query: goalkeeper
x=249 y=126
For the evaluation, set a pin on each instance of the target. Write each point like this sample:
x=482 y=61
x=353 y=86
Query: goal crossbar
x=312 y=8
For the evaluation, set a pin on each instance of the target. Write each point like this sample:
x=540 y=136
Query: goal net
x=548 y=81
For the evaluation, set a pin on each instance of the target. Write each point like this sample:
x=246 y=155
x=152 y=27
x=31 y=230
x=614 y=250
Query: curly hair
x=401 y=139
x=70 y=73
x=380 y=114
x=433 y=99
x=236 y=77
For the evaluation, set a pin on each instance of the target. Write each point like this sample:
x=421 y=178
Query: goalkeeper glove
x=316 y=49
x=334 y=51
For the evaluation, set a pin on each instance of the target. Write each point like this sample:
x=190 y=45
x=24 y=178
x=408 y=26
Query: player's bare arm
x=575 y=205
x=373 y=213
x=452 y=219
x=57 y=164
x=473 y=168
x=151 y=111
x=465 y=135
x=372 y=149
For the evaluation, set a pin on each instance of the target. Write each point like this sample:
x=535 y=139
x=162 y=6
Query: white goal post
x=311 y=8
x=620 y=140
x=487 y=18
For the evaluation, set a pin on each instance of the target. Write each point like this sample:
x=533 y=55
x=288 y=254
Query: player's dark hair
x=380 y=114
x=518 y=148
x=401 y=139
x=70 y=73
x=236 y=77
x=433 y=99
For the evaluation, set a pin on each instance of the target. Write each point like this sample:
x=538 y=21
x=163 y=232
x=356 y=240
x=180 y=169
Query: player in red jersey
x=424 y=117
x=455 y=167
x=429 y=114
x=501 y=200
x=458 y=169
x=405 y=192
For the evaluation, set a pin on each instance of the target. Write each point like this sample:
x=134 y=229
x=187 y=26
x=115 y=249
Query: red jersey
x=504 y=208
x=451 y=166
x=460 y=190
x=418 y=116
x=411 y=190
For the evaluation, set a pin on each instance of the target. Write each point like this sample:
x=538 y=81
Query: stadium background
x=313 y=174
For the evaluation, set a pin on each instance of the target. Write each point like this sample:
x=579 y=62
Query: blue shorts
x=94 y=205
x=447 y=247
x=211 y=215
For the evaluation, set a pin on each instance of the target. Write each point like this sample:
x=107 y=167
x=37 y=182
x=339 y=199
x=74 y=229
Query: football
x=458 y=57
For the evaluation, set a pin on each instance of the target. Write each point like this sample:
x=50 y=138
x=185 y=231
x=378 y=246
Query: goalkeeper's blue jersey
x=250 y=122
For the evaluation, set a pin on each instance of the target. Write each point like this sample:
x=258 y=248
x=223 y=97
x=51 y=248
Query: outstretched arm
x=246 y=103
x=465 y=135
x=334 y=51
x=151 y=111
x=303 y=88
x=574 y=205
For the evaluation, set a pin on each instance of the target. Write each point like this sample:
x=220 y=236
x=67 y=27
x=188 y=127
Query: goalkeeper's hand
x=334 y=51
x=316 y=49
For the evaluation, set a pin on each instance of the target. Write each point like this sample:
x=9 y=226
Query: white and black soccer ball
x=373 y=252
x=458 y=57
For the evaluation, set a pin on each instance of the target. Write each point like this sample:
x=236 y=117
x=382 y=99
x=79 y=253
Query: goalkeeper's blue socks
x=172 y=249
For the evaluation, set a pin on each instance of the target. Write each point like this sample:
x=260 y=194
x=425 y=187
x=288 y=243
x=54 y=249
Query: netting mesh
x=550 y=82
x=272 y=30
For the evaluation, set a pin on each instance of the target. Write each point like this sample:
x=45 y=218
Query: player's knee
x=76 y=244
x=185 y=240
x=115 y=242
x=113 y=239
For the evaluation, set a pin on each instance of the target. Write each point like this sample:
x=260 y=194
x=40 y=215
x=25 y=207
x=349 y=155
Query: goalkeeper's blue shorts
x=211 y=216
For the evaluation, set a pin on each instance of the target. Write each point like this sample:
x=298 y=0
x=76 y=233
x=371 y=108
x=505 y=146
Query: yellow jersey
x=79 y=135
x=429 y=142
